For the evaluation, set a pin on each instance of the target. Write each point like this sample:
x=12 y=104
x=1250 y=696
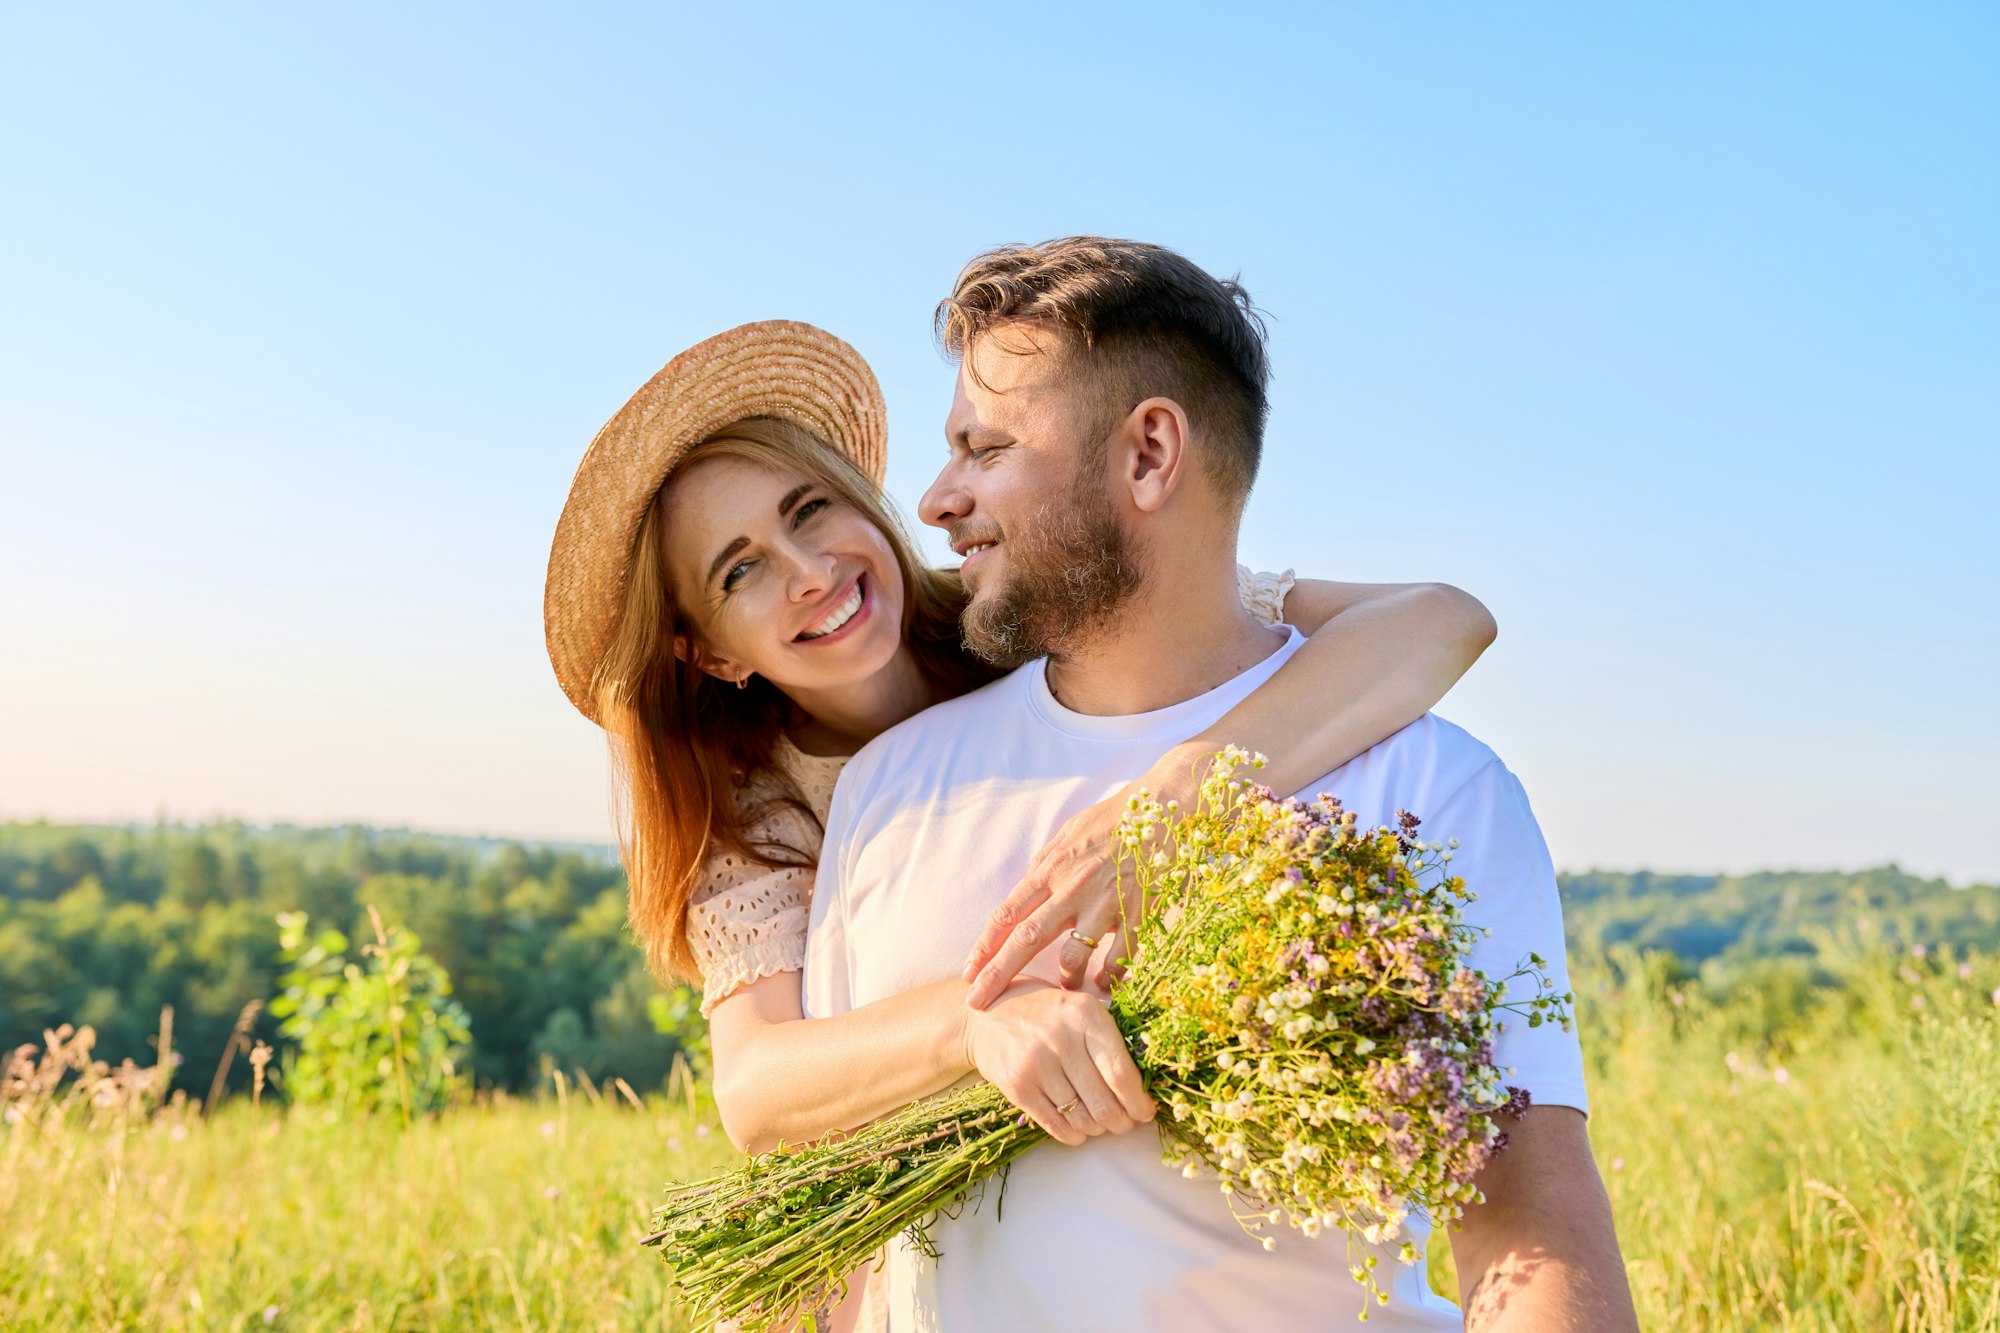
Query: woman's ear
x=1155 y=437
x=724 y=670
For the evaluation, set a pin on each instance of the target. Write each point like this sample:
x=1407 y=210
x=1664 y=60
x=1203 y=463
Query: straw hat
x=774 y=368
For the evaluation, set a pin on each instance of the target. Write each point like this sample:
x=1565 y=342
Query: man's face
x=1028 y=502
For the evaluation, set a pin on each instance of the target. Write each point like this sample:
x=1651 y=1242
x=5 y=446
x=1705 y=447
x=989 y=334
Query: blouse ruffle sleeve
x=745 y=931
x=748 y=921
x=1264 y=594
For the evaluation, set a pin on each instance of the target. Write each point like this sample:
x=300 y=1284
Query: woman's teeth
x=841 y=615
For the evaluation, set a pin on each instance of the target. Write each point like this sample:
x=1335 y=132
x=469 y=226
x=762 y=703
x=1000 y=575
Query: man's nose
x=946 y=501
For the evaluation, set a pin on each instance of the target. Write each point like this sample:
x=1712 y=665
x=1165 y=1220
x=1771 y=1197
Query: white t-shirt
x=931 y=826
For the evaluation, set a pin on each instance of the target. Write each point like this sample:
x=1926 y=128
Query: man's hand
x=1540 y=1254
x=1057 y=1055
x=1072 y=884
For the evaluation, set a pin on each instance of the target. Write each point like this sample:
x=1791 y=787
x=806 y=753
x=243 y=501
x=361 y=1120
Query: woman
x=731 y=599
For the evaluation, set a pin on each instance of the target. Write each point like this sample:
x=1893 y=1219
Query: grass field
x=1797 y=1156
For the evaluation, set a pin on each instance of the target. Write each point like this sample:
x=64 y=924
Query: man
x=1104 y=437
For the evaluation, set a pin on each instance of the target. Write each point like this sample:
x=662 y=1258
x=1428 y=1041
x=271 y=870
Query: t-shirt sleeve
x=827 y=988
x=1505 y=861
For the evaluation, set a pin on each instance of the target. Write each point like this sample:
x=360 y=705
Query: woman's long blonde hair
x=685 y=747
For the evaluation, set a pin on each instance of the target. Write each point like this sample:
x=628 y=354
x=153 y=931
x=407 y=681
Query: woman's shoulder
x=768 y=808
x=812 y=775
x=1264 y=594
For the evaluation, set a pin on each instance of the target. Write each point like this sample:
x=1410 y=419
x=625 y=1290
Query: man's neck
x=1183 y=634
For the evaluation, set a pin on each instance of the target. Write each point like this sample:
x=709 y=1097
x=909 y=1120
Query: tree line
x=104 y=926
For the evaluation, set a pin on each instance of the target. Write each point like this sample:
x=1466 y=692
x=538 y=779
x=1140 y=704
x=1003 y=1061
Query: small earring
x=743 y=682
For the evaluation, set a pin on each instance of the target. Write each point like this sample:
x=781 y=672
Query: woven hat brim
x=775 y=368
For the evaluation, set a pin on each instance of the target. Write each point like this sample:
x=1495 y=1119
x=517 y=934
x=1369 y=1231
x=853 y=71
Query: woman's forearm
x=781 y=1077
x=1367 y=672
x=1379 y=656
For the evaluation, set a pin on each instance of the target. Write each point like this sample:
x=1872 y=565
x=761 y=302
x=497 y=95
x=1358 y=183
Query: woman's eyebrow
x=792 y=497
x=715 y=567
x=785 y=506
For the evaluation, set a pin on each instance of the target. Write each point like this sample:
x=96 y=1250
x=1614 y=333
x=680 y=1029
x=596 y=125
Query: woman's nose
x=811 y=571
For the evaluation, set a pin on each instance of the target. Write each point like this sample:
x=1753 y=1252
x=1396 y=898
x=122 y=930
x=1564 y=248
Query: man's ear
x=724 y=670
x=1156 y=453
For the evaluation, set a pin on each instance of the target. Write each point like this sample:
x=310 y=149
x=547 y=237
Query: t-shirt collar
x=1172 y=723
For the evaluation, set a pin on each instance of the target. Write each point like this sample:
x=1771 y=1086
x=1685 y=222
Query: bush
x=380 y=1032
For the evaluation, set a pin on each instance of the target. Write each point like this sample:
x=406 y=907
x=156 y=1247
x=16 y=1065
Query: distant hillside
x=104 y=925
x=1728 y=920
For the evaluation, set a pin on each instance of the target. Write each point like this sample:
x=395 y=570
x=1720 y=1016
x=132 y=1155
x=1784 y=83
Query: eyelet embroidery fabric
x=747 y=922
x=1264 y=594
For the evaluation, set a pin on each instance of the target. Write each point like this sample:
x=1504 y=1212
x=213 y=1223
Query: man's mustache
x=960 y=538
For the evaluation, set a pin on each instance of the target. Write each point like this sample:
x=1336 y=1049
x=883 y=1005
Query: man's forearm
x=1541 y=1254
x=1538 y=1291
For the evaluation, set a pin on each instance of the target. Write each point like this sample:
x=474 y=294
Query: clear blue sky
x=1668 y=331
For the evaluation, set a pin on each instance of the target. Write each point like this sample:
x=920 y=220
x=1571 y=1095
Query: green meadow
x=1797 y=1135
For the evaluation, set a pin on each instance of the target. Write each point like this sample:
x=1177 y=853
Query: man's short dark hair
x=1142 y=322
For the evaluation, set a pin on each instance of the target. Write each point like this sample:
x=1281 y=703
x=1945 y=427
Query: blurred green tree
x=382 y=1032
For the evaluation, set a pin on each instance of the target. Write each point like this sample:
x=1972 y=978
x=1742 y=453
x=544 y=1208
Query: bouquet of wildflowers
x=1298 y=1000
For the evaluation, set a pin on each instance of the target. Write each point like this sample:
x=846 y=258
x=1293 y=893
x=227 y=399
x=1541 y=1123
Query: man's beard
x=1068 y=574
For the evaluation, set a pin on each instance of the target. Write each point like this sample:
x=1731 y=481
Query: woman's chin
x=849 y=665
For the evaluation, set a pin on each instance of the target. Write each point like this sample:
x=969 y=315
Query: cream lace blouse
x=748 y=921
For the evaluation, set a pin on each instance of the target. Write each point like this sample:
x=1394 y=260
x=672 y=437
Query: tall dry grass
x=1817 y=1148
x=499 y=1214
x=1797 y=1155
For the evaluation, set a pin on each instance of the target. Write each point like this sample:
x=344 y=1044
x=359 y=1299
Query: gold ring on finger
x=1087 y=941
x=1069 y=1106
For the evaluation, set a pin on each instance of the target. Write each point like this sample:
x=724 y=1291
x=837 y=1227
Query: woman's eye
x=808 y=509
x=735 y=574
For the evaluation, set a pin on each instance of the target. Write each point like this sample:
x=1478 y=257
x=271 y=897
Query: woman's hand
x=1072 y=885
x=1058 y=1056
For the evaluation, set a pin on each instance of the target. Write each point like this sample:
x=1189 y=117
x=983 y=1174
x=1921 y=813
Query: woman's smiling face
x=780 y=576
